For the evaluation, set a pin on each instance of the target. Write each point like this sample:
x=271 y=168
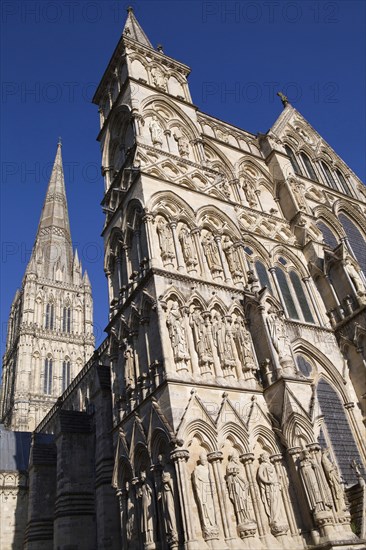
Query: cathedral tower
x=237 y=311
x=50 y=329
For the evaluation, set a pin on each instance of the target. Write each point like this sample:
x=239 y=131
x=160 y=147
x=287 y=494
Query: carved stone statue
x=158 y=78
x=204 y=492
x=298 y=192
x=334 y=481
x=249 y=191
x=232 y=256
x=167 y=499
x=270 y=489
x=283 y=98
x=165 y=240
x=129 y=367
x=188 y=247
x=311 y=476
x=183 y=144
x=145 y=494
x=201 y=341
x=131 y=531
x=211 y=252
x=278 y=335
x=156 y=131
x=238 y=490
x=223 y=343
x=177 y=335
x=243 y=344
x=354 y=276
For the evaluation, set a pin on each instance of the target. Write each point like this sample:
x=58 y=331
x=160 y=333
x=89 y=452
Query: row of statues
x=213 y=335
x=210 y=248
x=157 y=135
x=240 y=494
x=151 y=508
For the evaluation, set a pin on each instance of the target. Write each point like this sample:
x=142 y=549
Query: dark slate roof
x=14 y=449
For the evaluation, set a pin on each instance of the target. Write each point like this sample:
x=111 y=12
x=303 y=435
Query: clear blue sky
x=241 y=53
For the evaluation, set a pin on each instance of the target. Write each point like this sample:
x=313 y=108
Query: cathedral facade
x=226 y=407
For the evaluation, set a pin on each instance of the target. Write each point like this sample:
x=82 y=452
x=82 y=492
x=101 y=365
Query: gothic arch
x=236 y=434
x=260 y=252
x=173 y=293
x=352 y=212
x=322 y=213
x=298 y=426
x=287 y=254
x=256 y=170
x=206 y=215
x=179 y=208
x=159 y=100
x=219 y=157
x=263 y=434
x=159 y=441
x=319 y=359
x=205 y=433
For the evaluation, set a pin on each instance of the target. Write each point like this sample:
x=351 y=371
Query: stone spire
x=132 y=29
x=52 y=249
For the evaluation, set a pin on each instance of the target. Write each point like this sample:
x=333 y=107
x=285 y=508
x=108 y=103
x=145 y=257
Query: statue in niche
x=156 y=131
x=222 y=341
x=131 y=531
x=158 y=78
x=270 y=489
x=278 y=335
x=249 y=192
x=166 y=495
x=243 y=344
x=165 y=240
x=201 y=340
x=188 y=247
x=183 y=143
x=298 y=192
x=177 y=334
x=238 y=490
x=204 y=492
x=311 y=476
x=334 y=481
x=232 y=256
x=129 y=367
x=354 y=276
x=211 y=252
x=145 y=494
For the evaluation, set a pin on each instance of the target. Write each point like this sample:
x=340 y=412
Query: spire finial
x=130 y=9
x=283 y=98
x=59 y=143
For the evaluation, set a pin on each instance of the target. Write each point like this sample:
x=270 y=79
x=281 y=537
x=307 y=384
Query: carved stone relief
x=270 y=489
x=204 y=494
x=238 y=490
x=166 y=242
x=202 y=343
x=156 y=131
x=178 y=337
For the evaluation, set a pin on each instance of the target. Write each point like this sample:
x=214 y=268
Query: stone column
x=148 y=220
x=180 y=457
x=215 y=459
